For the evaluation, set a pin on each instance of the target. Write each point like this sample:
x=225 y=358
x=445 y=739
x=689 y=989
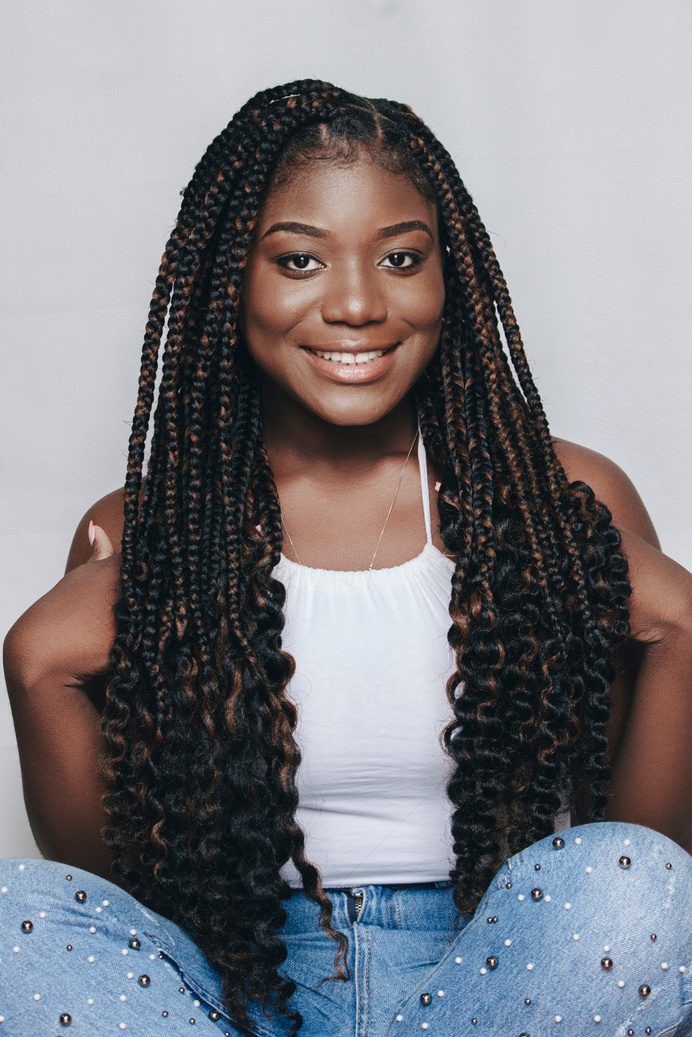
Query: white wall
x=570 y=122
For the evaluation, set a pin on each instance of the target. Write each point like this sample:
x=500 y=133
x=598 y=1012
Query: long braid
x=571 y=668
x=199 y=730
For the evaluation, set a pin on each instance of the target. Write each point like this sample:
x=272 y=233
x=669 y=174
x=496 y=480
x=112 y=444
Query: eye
x=299 y=262
x=401 y=260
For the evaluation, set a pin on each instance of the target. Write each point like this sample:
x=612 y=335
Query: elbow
x=20 y=657
x=30 y=654
x=13 y=656
x=673 y=624
x=680 y=622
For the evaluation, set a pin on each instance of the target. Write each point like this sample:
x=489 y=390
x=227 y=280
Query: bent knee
x=607 y=868
x=32 y=882
x=644 y=854
x=590 y=845
x=626 y=834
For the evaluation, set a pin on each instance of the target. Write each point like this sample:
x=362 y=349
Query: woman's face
x=343 y=292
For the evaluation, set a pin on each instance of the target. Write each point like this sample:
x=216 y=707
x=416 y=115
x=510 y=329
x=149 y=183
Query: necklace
x=391 y=508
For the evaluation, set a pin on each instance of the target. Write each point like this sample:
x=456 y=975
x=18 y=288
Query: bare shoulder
x=107 y=513
x=611 y=486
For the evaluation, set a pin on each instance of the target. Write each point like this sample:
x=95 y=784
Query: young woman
x=258 y=719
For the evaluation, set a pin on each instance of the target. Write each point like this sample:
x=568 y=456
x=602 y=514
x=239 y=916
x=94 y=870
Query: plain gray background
x=570 y=123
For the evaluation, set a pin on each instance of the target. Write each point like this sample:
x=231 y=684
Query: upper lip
x=350 y=347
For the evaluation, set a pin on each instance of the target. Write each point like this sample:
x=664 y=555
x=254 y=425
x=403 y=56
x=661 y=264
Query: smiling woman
x=483 y=638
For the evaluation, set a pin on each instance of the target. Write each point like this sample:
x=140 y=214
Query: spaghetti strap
x=425 y=492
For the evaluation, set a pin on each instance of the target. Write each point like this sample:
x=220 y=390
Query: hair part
x=353 y=134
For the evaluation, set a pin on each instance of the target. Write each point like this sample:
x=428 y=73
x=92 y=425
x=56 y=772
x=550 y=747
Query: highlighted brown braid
x=201 y=756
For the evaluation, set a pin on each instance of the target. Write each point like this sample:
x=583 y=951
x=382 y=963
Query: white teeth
x=351 y=358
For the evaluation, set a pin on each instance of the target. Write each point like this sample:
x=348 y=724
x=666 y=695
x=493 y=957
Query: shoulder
x=611 y=486
x=106 y=513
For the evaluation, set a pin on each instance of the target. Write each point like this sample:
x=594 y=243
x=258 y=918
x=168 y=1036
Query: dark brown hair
x=201 y=755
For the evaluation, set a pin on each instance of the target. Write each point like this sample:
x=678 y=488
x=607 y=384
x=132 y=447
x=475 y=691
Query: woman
x=334 y=387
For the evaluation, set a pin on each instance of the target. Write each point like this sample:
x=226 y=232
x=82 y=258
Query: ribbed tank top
x=372 y=660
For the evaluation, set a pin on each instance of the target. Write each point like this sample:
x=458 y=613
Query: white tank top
x=372 y=660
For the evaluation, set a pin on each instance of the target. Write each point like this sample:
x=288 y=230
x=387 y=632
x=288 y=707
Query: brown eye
x=300 y=261
x=401 y=261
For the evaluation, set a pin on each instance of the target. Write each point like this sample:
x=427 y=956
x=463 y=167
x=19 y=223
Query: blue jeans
x=590 y=933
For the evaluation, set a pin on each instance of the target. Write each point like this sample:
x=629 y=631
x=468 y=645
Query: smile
x=350 y=358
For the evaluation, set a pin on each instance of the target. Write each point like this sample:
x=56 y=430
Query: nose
x=354 y=295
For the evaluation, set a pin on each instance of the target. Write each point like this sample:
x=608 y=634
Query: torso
x=335 y=518
x=372 y=661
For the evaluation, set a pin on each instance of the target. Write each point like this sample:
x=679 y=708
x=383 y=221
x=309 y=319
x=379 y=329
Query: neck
x=295 y=437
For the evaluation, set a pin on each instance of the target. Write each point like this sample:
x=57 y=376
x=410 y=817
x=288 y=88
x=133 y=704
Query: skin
x=338 y=434
x=361 y=273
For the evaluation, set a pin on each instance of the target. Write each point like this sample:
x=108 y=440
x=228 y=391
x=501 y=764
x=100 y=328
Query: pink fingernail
x=437 y=487
x=92 y=535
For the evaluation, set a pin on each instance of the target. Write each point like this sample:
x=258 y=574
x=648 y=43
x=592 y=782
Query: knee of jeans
x=628 y=842
x=29 y=878
x=601 y=839
x=609 y=862
x=35 y=871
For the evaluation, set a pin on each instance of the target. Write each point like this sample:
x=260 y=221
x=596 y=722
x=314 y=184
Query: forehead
x=339 y=195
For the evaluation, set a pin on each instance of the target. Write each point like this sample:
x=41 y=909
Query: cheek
x=425 y=313
x=423 y=305
x=268 y=311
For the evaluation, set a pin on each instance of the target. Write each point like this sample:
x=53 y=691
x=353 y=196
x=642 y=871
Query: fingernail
x=437 y=487
x=92 y=535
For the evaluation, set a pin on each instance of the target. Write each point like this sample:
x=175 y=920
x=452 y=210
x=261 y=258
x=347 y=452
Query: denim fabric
x=590 y=937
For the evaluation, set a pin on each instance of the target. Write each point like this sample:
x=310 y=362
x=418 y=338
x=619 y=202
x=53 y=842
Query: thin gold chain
x=391 y=508
x=290 y=539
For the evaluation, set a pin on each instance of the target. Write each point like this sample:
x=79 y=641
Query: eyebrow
x=296 y=228
x=317 y=232
x=402 y=228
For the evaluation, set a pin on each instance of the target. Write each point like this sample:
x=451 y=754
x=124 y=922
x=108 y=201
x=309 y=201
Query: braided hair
x=200 y=754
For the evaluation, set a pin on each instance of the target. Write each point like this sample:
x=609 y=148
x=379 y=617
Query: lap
x=593 y=931
x=79 y=952
x=588 y=931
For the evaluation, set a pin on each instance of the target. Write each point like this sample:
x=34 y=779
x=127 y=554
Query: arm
x=652 y=762
x=650 y=731
x=62 y=639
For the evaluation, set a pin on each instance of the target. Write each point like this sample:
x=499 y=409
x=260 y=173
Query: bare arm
x=62 y=639
x=650 y=732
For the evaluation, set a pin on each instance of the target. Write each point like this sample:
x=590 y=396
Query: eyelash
x=284 y=261
x=415 y=259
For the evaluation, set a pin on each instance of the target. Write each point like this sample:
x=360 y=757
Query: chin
x=355 y=416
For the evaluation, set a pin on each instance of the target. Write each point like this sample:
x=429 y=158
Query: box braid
x=201 y=759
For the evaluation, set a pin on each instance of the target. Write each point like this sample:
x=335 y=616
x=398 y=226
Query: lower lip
x=353 y=373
